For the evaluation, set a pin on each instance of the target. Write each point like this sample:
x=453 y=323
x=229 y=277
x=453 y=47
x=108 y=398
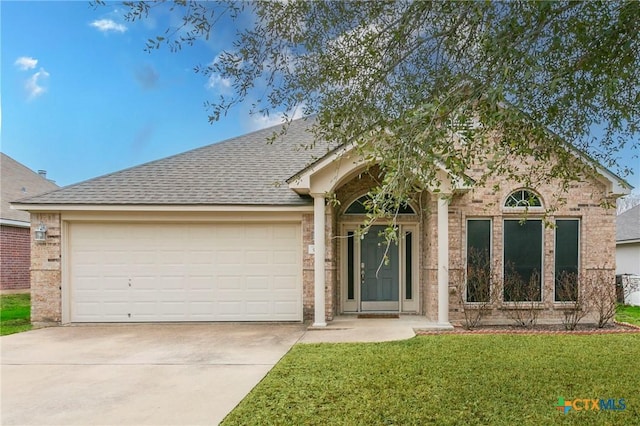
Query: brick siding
x=15 y=257
x=581 y=200
x=46 y=275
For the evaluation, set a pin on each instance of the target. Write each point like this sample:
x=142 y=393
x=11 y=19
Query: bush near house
x=15 y=312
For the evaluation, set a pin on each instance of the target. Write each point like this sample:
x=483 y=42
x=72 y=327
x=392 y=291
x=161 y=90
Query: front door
x=379 y=279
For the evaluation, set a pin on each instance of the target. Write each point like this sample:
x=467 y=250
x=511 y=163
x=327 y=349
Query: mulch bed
x=612 y=328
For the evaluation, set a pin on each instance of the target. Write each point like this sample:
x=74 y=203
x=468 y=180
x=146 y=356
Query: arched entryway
x=376 y=276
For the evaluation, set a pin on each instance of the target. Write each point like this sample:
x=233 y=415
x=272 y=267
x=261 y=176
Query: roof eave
x=166 y=207
x=630 y=241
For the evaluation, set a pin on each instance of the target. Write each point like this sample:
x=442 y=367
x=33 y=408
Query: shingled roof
x=245 y=170
x=19 y=181
x=628 y=226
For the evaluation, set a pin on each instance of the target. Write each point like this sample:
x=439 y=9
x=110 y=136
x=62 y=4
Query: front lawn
x=15 y=312
x=630 y=314
x=449 y=380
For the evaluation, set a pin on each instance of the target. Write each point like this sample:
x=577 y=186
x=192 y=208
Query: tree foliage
x=417 y=84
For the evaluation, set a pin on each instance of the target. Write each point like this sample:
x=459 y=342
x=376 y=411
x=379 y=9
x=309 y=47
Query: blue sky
x=81 y=98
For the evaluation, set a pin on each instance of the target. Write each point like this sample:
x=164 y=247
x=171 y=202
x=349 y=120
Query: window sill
x=513 y=306
x=478 y=305
x=564 y=305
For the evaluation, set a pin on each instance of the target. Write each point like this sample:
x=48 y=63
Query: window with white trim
x=523 y=198
x=478 y=260
x=567 y=249
x=522 y=260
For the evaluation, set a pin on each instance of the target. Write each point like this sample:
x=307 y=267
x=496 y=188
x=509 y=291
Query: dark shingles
x=243 y=171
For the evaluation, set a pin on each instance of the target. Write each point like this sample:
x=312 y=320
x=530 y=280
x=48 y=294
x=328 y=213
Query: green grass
x=630 y=314
x=448 y=380
x=15 y=312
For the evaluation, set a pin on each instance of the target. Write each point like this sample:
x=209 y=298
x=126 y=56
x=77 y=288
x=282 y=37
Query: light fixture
x=41 y=232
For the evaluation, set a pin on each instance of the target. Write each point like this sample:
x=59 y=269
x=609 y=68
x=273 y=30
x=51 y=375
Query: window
x=566 y=259
x=350 y=260
x=360 y=205
x=523 y=198
x=478 y=260
x=408 y=248
x=522 y=260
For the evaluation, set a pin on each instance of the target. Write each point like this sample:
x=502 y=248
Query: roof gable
x=18 y=181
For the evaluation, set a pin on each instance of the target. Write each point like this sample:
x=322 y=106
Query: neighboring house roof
x=628 y=226
x=18 y=181
x=245 y=170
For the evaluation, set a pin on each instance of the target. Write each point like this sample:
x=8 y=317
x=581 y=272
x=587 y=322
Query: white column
x=319 y=319
x=443 y=260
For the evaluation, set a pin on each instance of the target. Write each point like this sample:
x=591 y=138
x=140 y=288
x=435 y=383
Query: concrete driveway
x=167 y=374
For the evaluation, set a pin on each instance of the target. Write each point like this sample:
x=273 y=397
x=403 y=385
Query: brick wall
x=584 y=200
x=580 y=200
x=15 y=257
x=46 y=271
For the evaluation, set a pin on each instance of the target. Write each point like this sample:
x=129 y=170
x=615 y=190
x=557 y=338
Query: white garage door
x=185 y=272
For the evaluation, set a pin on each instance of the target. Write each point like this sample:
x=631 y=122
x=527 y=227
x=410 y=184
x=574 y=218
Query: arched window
x=359 y=206
x=523 y=198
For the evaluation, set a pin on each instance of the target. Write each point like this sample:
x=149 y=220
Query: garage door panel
x=284 y=283
x=185 y=272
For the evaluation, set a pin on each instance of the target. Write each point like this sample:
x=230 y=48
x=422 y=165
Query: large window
x=478 y=260
x=522 y=260
x=566 y=259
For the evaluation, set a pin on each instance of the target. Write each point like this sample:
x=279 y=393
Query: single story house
x=18 y=181
x=241 y=230
x=628 y=253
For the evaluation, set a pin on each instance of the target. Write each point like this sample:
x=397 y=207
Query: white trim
x=355 y=305
x=466 y=254
x=159 y=216
x=633 y=241
x=16 y=223
x=301 y=182
x=349 y=305
x=618 y=186
x=443 y=261
x=329 y=172
x=542 y=263
x=65 y=271
x=160 y=208
x=386 y=306
x=319 y=210
x=555 y=251
x=409 y=305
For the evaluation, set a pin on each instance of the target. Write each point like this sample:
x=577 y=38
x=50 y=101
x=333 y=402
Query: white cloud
x=259 y=121
x=34 y=84
x=215 y=82
x=218 y=83
x=26 y=63
x=106 y=25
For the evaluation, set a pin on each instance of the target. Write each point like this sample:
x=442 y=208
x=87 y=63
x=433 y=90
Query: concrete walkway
x=350 y=328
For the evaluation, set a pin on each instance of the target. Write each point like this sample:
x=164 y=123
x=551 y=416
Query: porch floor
x=350 y=328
